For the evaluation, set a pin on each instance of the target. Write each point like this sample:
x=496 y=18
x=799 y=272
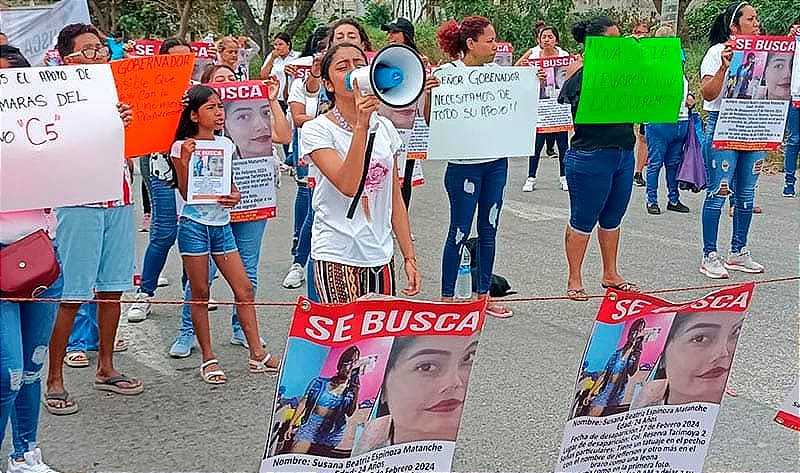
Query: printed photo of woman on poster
x=423 y=392
x=696 y=361
x=325 y=407
x=777 y=82
x=247 y=123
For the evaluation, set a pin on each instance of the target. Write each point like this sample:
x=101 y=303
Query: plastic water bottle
x=464 y=280
x=209 y=38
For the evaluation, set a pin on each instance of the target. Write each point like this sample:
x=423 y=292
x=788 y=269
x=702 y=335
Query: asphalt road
x=522 y=384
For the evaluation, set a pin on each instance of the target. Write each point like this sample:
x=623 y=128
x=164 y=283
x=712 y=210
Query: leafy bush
x=775 y=16
x=377 y=14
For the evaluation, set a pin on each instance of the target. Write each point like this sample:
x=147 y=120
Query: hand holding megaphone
x=366 y=105
x=396 y=76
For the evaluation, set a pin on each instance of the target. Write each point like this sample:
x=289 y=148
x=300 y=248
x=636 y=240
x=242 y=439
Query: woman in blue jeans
x=472 y=184
x=599 y=168
x=728 y=172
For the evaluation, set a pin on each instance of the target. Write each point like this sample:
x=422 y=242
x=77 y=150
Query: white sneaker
x=139 y=310
x=713 y=266
x=295 y=277
x=530 y=183
x=162 y=281
x=32 y=463
x=563 y=182
x=743 y=262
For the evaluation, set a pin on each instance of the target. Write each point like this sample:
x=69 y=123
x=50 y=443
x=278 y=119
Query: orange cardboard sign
x=153 y=87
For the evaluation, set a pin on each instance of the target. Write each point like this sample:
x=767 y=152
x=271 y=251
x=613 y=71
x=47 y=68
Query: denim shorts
x=599 y=187
x=197 y=239
x=96 y=246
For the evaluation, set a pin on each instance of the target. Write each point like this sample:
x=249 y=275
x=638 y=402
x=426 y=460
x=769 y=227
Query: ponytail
x=452 y=37
x=721 y=28
x=595 y=26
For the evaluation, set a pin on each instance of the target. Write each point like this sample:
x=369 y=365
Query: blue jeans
x=25 y=330
x=84 y=335
x=561 y=139
x=303 y=250
x=302 y=203
x=792 y=144
x=248 y=236
x=471 y=186
x=664 y=147
x=728 y=172
x=599 y=187
x=163 y=230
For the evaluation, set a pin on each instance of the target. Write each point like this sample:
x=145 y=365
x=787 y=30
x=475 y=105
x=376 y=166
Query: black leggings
x=561 y=139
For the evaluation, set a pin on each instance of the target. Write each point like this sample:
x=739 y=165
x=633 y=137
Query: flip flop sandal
x=76 y=359
x=69 y=404
x=213 y=376
x=577 y=295
x=120 y=345
x=623 y=286
x=112 y=385
x=256 y=366
x=499 y=311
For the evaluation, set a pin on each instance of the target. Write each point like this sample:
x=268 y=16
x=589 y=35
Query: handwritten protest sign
x=33 y=29
x=796 y=73
x=495 y=104
x=153 y=87
x=553 y=116
x=203 y=56
x=61 y=135
x=756 y=94
x=247 y=124
x=385 y=415
x=789 y=413
x=631 y=81
x=652 y=378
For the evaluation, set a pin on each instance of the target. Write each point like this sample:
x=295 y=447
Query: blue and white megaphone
x=396 y=76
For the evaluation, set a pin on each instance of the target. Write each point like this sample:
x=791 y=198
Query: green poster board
x=631 y=81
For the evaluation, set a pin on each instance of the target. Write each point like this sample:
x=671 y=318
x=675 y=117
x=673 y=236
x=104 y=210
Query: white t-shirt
x=366 y=239
x=211 y=214
x=536 y=52
x=19 y=224
x=709 y=67
x=277 y=69
x=460 y=63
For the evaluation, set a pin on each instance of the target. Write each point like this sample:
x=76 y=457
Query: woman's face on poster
x=426 y=388
x=248 y=125
x=778 y=76
x=223 y=74
x=216 y=165
x=698 y=358
x=560 y=76
x=402 y=118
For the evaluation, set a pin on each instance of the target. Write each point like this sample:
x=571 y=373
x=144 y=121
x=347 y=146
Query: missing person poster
x=651 y=381
x=553 y=116
x=756 y=94
x=209 y=170
x=789 y=413
x=376 y=385
x=247 y=124
x=203 y=54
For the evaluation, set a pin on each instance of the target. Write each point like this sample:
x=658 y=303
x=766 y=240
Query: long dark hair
x=328 y=59
x=721 y=28
x=196 y=97
x=312 y=43
x=408 y=40
x=595 y=26
x=13 y=56
x=399 y=345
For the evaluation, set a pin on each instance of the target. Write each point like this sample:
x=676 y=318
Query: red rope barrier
x=292 y=304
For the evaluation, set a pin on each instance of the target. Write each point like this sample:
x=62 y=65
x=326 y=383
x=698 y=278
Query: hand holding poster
x=789 y=413
x=494 y=106
x=247 y=124
x=553 y=116
x=209 y=170
x=756 y=94
x=351 y=398
x=153 y=87
x=652 y=378
x=626 y=80
x=61 y=135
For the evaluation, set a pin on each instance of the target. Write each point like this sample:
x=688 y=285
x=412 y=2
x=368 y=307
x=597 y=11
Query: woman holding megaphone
x=354 y=256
